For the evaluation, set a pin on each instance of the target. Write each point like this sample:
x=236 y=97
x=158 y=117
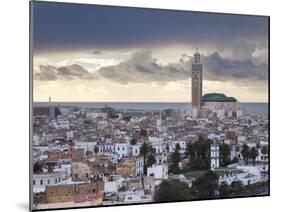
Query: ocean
x=249 y=108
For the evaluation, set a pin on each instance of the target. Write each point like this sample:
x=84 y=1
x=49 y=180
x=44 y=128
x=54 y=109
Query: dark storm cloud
x=142 y=67
x=221 y=69
x=69 y=26
x=70 y=72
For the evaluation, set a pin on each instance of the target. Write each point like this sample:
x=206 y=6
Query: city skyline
x=99 y=55
x=137 y=106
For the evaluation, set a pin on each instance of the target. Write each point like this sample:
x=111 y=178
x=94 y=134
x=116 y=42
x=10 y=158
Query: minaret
x=197 y=78
x=215 y=156
x=51 y=109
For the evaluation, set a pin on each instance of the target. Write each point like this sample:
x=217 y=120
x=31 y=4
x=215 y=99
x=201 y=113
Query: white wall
x=160 y=172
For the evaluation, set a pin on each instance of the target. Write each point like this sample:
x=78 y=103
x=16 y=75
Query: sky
x=97 y=53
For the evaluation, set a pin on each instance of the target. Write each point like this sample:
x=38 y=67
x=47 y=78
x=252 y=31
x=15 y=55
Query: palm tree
x=225 y=152
x=176 y=157
x=253 y=154
x=144 y=150
x=150 y=160
x=96 y=149
x=245 y=153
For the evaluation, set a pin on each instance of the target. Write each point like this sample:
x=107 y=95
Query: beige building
x=76 y=193
x=60 y=193
x=130 y=166
x=80 y=171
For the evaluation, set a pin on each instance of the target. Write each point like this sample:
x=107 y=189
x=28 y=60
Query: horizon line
x=130 y=102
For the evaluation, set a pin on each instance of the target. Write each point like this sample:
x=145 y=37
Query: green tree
x=96 y=149
x=225 y=189
x=264 y=150
x=245 y=153
x=145 y=150
x=133 y=141
x=199 y=154
x=237 y=187
x=224 y=154
x=253 y=154
x=176 y=157
x=50 y=167
x=150 y=160
x=205 y=186
x=172 y=190
x=37 y=168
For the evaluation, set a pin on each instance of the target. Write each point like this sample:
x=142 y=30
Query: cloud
x=102 y=27
x=217 y=68
x=68 y=72
x=241 y=50
x=96 y=52
x=142 y=67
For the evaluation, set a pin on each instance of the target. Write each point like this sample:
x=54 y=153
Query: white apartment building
x=121 y=149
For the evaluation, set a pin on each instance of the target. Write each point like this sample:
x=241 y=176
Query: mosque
x=210 y=104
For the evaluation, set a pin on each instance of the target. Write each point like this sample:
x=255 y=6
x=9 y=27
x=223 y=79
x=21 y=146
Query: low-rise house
x=107 y=148
x=130 y=166
x=76 y=193
x=161 y=158
x=112 y=183
x=135 y=197
x=40 y=181
x=80 y=171
x=149 y=184
x=135 y=149
x=70 y=154
x=121 y=149
x=160 y=172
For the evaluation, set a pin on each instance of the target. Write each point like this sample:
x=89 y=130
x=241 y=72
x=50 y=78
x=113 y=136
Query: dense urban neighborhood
x=89 y=156
x=104 y=156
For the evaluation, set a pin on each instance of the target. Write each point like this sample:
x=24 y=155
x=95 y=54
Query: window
x=56 y=180
x=48 y=182
x=41 y=182
x=34 y=182
x=130 y=198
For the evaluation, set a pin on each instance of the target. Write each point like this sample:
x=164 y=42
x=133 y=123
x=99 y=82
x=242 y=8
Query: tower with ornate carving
x=197 y=81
